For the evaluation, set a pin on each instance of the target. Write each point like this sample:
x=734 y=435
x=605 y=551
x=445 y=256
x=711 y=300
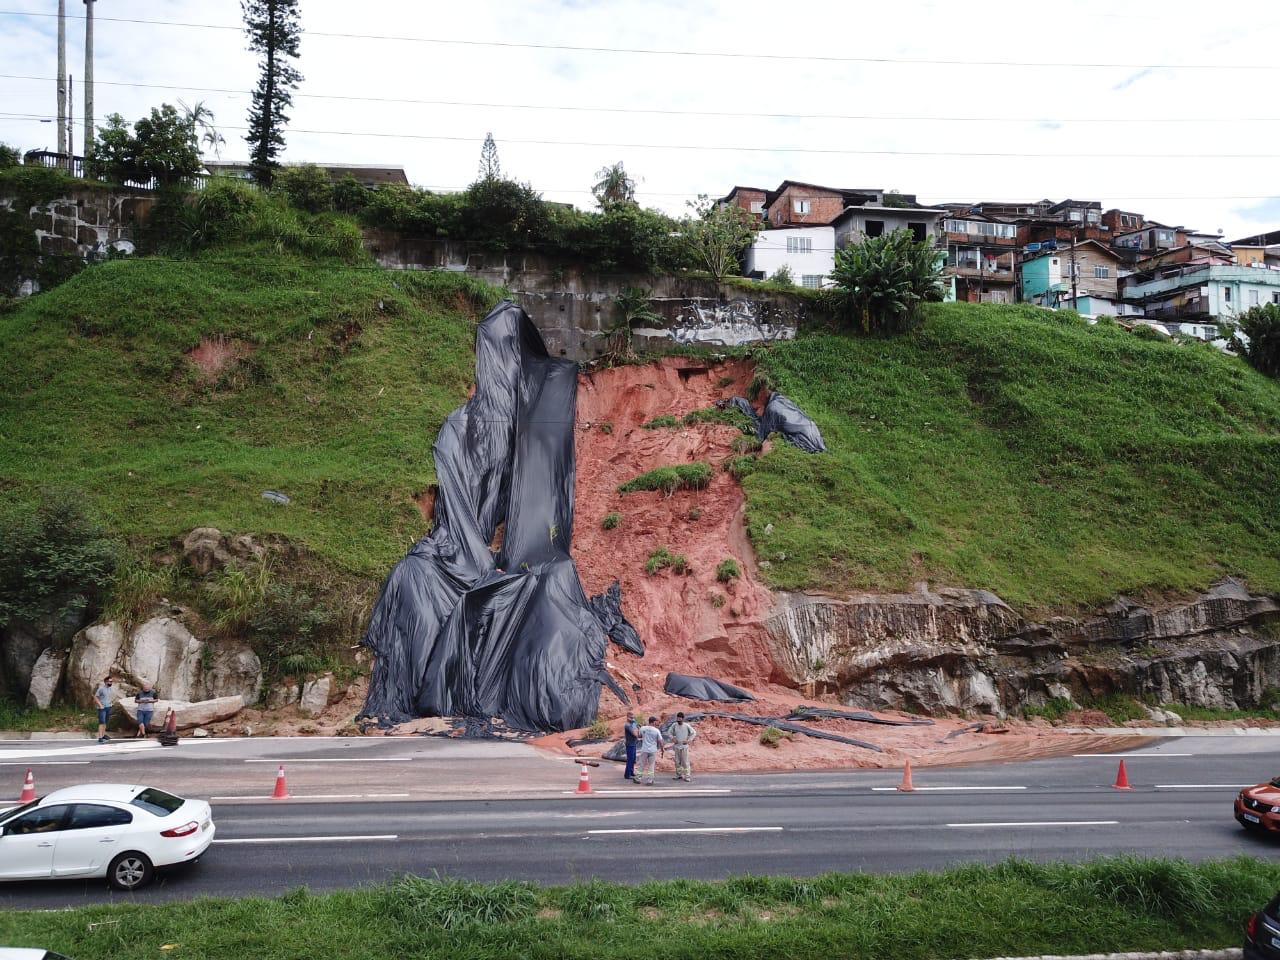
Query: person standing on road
x=682 y=734
x=146 y=707
x=103 y=698
x=631 y=736
x=651 y=744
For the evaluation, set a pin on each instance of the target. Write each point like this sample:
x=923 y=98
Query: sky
x=1164 y=109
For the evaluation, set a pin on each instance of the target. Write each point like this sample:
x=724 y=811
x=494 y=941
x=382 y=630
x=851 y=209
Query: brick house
x=797 y=204
x=750 y=199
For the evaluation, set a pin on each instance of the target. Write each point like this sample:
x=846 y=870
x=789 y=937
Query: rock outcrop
x=315 y=695
x=22 y=643
x=966 y=650
x=46 y=678
x=188 y=714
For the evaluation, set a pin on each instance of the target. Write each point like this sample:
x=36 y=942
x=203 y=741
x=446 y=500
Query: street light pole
x=88 y=78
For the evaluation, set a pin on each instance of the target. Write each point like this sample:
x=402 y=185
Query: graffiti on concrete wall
x=728 y=323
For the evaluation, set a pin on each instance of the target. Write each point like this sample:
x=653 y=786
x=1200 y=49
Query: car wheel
x=130 y=871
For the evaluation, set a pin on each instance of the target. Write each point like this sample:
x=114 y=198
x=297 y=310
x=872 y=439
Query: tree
x=274 y=31
x=162 y=146
x=1262 y=326
x=202 y=117
x=9 y=156
x=307 y=187
x=632 y=306
x=717 y=235
x=490 y=169
x=881 y=282
x=613 y=187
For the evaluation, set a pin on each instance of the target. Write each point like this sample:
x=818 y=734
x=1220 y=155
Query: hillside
x=1024 y=452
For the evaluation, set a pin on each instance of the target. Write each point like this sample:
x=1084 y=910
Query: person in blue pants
x=631 y=734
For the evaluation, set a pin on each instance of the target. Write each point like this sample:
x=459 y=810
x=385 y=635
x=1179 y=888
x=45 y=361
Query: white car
x=28 y=953
x=119 y=831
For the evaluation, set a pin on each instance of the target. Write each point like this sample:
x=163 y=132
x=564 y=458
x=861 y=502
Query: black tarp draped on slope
x=458 y=631
x=781 y=415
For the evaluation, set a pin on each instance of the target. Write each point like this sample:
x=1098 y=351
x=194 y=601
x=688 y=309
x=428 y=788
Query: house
x=1083 y=277
x=875 y=219
x=807 y=252
x=750 y=199
x=1122 y=221
x=798 y=204
x=981 y=254
x=366 y=175
x=1261 y=248
x=1194 y=294
x=1153 y=236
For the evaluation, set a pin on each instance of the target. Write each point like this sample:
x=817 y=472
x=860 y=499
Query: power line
x=752 y=148
x=725 y=54
x=737 y=114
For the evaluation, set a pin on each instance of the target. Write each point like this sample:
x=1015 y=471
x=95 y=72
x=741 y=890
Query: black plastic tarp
x=704 y=688
x=607 y=607
x=782 y=416
x=460 y=631
x=619 y=751
x=859 y=716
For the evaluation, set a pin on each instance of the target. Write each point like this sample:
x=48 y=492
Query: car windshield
x=1275 y=781
x=157 y=802
x=16 y=811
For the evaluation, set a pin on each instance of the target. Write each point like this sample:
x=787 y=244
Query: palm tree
x=201 y=117
x=614 y=187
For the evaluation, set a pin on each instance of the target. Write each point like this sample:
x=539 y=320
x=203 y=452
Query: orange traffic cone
x=906 y=785
x=584 y=780
x=281 y=791
x=28 y=788
x=1122 y=779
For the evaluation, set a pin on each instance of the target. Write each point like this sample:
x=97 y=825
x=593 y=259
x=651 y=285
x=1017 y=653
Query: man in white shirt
x=682 y=734
x=651 y=744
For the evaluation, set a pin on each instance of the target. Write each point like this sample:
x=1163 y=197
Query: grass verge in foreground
x=1015 y=908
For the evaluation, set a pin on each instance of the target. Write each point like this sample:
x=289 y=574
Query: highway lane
x=798 y=824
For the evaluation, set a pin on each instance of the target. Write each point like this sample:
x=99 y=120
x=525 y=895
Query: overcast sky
x=1152 y=96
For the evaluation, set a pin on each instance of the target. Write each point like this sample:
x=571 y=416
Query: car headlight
x=1275 y=809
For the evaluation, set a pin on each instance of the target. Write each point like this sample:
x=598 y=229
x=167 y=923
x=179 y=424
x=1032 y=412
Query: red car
x=1258 y=808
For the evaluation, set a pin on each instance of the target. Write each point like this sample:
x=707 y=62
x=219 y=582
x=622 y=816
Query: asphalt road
x=800 y=824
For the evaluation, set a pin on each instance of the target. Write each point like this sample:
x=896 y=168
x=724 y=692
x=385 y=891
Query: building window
x=875 y=228
x=811 y=280
x=918 y=230
x=800 y=206
x=1101 y=273
x=757 y=206
x=1226 y=294
x=799 y=244
x=1093 y=216
x=1075 y=215
x=1275 y=297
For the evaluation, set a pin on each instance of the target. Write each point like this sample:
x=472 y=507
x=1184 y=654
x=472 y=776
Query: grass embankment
x=1024 y=452
x=1013 y=909
x=340 y=378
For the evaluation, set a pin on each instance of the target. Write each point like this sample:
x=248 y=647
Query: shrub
x=606 y=428
x=694 y=513
x=55 y=560
x=599 y=729
x=306 y=187
x=1148 y=332
x=9 y=156
x=685 y=476
x=740 y=467
x=727 y=570
x=163 y=145
x=662 y=420
x=881 y=282
x=662 y=558
x=350 y=195
x=611 y=520
x=1262 y=326
x=432 y=905
x=782 y=277
x=730 y=416
x=1055 y=709
x=718 y=600
x=772 y=736
x=136 y=587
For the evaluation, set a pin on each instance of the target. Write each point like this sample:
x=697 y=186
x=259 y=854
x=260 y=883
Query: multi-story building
x=981 y=254
x=750 y=199
x=808 y=253
x=1193 y=296
x=797 y=204
x=1084 y=277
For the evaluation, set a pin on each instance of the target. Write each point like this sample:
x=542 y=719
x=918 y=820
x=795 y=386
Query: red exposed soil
x=213 y=355
x=675 y=614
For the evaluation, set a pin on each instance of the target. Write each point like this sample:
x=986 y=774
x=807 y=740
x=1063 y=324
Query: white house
x=808 y=252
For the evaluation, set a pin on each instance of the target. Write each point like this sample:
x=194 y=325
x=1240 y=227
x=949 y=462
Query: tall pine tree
x=274 y=31
x=490 y=169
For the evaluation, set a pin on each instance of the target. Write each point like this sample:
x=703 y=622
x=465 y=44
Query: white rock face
x=46 y=676
x=189 y=715
x=93 y=654
x=165 y=652
x=315 y=695
x=233 y=670
x=284 y=695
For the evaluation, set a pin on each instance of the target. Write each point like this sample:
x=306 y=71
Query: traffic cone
x=281 y=791
x=1122 y=779
x=171 y=723
x=28 y=788
x=584 y=780
x=906 y=785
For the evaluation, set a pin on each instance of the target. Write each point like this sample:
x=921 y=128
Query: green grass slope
x=351 y=371
x=1024 y=452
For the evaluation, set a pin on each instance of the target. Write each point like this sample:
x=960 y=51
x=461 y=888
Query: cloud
x=1130 y=80
x=1268 y=211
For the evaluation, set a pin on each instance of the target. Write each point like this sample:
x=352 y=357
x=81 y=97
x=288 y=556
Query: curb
x=1173 y=732
x=1229 y=953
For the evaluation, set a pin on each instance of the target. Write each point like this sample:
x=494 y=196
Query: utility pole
x=1075 y=303
x=71 y=143
x=88 y=78
x=62 y=76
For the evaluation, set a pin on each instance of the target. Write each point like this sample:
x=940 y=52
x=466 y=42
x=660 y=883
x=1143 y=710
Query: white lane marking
x=690 y=830
x=384 y=796
x=100 y=749
x=300 y=796
x=1145 y=756
x=920 y=789
x=1043 y=823
x=376 y=836
x=45 y=763
x=640 y=793
x=336 y=760
x=1202 y=786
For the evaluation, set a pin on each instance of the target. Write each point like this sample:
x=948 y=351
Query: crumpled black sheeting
x=782 y=416
x=861 y=716
x=607 y=607
x=704 y=688
x=457 y=631
x=619 y=750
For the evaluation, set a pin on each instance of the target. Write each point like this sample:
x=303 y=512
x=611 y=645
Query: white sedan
x=111 y=830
